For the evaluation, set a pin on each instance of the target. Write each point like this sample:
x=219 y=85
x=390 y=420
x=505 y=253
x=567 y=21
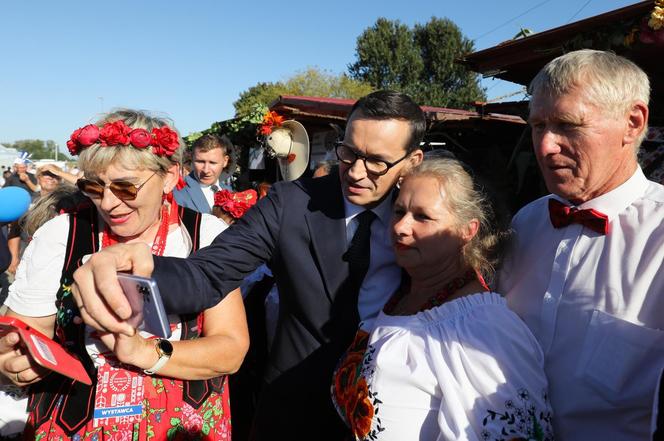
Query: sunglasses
x=123 y=190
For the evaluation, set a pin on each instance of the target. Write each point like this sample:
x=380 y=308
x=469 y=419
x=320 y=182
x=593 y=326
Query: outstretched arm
x=186 y=285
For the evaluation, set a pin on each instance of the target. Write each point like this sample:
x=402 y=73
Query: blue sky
x=65 y=62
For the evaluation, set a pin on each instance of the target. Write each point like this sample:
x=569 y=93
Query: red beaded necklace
x=441 y=296
x=159 y=243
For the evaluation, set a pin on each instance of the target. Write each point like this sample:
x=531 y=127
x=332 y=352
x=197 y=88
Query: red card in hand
x=44 y=351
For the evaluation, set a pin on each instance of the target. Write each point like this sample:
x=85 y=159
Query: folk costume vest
x=77 y=405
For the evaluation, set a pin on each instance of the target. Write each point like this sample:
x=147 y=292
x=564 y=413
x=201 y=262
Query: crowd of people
x=408 y=307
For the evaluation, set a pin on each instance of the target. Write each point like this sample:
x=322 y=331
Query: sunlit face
x=382 y=139
x=47 y=182
x=424 y=231
x=20 y=168
x=209 y=165
x=137 y=219
x=579 y=147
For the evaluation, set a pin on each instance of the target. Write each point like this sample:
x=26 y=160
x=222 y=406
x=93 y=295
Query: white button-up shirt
x=596 y=305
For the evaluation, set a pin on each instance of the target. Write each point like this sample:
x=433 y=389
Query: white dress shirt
x=596 y=305
x=208 y=192
x=383 y=276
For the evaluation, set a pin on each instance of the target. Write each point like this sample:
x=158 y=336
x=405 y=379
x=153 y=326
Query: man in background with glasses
x=327 y=242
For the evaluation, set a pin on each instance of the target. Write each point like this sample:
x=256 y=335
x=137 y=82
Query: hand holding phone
x=44 y=351
x=146 y=304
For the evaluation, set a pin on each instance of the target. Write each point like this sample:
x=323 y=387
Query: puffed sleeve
x=490 y=369
x=35 y=287
x=211 y=227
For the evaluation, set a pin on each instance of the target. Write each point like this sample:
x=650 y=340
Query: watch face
x=165 y=346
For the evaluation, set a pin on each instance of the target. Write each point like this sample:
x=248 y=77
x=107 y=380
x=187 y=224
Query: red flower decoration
x=115 y=133
x=235 y=204
x=82 y=137
x=270 y=121
x=165 y=141
x=88 y=135
x=361 y=411
x=140 y=138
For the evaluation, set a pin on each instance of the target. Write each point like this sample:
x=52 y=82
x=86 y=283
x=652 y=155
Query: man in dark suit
x=327 y=241
x=211 y=157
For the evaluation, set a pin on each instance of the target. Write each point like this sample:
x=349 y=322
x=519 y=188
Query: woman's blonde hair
x=97 y=158
x=466 y=202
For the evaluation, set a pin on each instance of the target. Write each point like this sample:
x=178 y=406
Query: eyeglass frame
x=388 y=164
x=109 y=186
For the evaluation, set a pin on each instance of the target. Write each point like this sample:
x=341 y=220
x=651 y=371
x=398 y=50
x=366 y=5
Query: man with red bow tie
x=585 y=271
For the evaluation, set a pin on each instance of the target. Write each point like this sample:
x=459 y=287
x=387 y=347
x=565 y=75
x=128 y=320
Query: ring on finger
x=18 y=380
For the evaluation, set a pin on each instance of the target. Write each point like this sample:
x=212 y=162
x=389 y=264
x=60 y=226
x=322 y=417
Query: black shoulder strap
x=192 y=222
x=78 y=404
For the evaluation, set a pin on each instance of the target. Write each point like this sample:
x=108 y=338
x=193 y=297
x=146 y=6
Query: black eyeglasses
x=374 y=166
x=123 y=190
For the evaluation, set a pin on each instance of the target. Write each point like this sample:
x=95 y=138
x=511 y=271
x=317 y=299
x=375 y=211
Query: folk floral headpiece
x=163 y=140
x=271 y=120
x=235 y=204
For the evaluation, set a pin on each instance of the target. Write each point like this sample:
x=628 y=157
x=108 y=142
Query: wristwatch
x=164 y=350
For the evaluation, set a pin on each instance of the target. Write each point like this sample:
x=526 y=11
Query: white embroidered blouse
x=469 y=369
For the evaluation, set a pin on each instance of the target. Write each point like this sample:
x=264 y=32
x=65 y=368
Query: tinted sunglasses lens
x=90 y=188
x=124 y=190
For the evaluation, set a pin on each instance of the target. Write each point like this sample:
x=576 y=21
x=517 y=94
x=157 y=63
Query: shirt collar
x=616 y=200
x=383 y=210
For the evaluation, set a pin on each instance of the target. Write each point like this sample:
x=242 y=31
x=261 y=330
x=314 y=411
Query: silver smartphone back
x=144 y=298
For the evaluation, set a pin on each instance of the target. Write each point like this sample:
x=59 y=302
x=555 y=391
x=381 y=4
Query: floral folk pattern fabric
x=519 y=417
x=165 y=417
x=355 y=402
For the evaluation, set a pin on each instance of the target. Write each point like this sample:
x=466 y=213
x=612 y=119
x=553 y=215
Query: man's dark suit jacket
x=299 y=229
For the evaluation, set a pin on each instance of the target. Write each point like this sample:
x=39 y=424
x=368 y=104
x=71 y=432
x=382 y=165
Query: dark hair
x=211 y=141
x=387 y=104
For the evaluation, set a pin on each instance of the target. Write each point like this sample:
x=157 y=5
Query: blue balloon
x=14 y=201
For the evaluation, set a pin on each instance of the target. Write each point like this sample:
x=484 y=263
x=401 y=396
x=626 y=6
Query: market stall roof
x=307 y=107
x=519 y=60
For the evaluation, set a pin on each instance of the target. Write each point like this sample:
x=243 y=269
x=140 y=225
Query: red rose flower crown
x=163 y=140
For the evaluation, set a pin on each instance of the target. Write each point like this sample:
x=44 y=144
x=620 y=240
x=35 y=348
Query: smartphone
x=148 y=311
x=46 y=352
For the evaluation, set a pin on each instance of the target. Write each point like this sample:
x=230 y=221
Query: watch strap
x=163 y=359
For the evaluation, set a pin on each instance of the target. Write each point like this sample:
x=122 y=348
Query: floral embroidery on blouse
x=520 y=420
x=354 y=399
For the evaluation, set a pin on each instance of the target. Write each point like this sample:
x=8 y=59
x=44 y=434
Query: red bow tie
x=562 y=215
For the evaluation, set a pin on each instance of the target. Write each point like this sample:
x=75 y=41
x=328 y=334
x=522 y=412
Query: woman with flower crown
x=142 y=387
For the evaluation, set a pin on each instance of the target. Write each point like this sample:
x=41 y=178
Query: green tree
x=310 y=82
x=37 y=148
x=262 y=94
x=418 y=61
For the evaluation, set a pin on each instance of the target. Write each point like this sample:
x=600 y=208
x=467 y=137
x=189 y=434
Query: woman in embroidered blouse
x=130 y=163
x=446 y=359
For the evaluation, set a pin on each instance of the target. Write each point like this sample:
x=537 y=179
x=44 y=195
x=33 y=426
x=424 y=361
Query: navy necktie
x=359 y=250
